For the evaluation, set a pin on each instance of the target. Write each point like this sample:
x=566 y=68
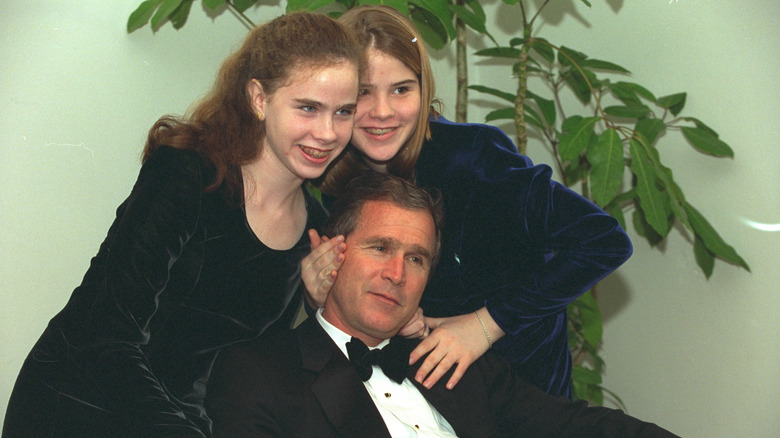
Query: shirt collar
x=338 y=336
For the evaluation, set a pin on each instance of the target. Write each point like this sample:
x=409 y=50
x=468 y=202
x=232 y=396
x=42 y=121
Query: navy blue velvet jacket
x=515 y=241
x=179 y=276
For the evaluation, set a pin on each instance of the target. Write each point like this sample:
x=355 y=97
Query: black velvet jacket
x=179 y=276
x=515 y=241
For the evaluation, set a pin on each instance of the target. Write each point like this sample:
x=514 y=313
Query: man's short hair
x=375 y=186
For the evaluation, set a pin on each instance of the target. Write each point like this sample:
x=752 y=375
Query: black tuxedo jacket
x=299 y=384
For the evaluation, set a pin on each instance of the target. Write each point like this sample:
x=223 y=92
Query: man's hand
x=320 y=267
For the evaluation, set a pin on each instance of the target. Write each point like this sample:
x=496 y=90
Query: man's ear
x=257 y=96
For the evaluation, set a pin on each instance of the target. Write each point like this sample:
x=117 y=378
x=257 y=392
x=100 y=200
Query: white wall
x=698 y=356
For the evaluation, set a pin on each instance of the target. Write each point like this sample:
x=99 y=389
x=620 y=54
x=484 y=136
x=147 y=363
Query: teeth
x=376 y=131
x=316 y=153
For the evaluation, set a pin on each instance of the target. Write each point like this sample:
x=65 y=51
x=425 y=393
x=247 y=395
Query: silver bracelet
x=484 y=329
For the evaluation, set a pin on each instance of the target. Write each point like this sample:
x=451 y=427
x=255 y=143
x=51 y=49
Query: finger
x=441 y=369
x=328 y=255
x=460 y=370
x=434 y=323
x=314 y=238
x=427 y=345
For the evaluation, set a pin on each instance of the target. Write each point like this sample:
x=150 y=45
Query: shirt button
x=388 y=395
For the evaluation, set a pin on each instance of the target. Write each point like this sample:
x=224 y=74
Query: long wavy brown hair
x=389 y=31
x=223 y=126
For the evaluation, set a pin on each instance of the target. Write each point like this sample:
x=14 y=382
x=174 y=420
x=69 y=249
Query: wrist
x=485 y=331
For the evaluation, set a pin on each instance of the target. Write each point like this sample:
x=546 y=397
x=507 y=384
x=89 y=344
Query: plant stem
x=242 y=17
x=462 y=100
x=522 y=87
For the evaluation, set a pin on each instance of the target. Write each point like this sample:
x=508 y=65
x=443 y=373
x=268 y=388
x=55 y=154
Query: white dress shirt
x=405 y=411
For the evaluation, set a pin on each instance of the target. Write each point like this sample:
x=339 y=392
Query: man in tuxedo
x=301 y=383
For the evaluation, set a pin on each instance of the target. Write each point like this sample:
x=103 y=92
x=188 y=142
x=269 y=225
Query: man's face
x=388 y=259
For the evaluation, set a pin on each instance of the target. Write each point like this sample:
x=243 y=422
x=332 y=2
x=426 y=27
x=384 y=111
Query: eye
x=363 y=92
x=401 y=90
x=308 y=108
x=419 y=261
x=346 y=112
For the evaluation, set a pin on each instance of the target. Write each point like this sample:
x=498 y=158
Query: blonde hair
x=387 y=30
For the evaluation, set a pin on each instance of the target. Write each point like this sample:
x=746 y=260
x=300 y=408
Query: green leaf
x=700 y=124
x=629 y=92
x=305 y=5
x=654 y=203
x=615 y=210
x=592 y=328
x=705 y=141
x=673 y=102
x=499 y=114
x=606 y=166
x=543 y=48
x=547 y=107
x=243 y=5
x=493 y=91
x=651 y=129
x=179 y=16
x=579 y=79
x=635 y=111
x=430 y=27
x=567 y=56
x=644 y=229
x=473 y=16
x=476 y=7
x=712 y=239
x=585 y=375
x=704 y=257
x=439 y=10
x=399 y=5
x=576 y=136
x=166 y=8
x=214 y=4
x=142 y=14
x=663 y=173
x=597 y=64
x=499 y=52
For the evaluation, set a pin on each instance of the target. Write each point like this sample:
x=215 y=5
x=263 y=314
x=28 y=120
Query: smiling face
x=309 y=120
x=388 y=109
x=386 y=266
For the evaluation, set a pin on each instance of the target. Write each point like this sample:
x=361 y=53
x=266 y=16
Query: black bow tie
x=393 y=358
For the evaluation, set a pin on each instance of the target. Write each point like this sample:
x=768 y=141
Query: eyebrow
x=393 y=243
x=395 y=84
x=318 y=104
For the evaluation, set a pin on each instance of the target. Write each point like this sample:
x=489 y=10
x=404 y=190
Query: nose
x=325 y=131
x=394 y=270
x=381 y=108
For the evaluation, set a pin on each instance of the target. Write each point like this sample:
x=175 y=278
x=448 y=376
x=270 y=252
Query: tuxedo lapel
x=337 y=386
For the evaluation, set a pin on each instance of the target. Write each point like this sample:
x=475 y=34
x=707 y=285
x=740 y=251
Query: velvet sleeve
x=577 y=242
x=133 y=268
